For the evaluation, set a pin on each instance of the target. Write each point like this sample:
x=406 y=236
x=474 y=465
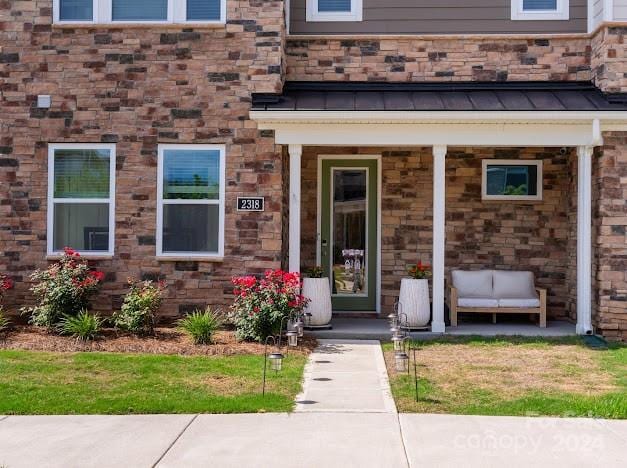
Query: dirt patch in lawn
x=165 y=341
x=511 y=370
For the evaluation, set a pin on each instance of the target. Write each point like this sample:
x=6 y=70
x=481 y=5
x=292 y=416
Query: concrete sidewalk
x=308 y=440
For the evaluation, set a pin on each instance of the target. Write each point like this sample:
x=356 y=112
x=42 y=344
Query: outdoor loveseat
x=496 y=292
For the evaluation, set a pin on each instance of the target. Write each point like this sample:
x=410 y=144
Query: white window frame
x=562 y=12
x=103 y=14
x=511 y=162
x=220 y=202
x=356 y=13
x=52 y=147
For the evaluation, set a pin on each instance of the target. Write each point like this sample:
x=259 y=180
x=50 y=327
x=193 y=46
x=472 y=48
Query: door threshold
x=355 y=314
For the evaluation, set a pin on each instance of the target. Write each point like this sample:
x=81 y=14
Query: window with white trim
x=506 y=179
x=139 y=11
x=540 y=10
x=190 y=201
x=334 y=10
x=81 y=198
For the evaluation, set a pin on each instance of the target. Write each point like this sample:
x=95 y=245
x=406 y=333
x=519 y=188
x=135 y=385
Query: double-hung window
x=139 y=11
x=540 y=9
x=190 y=212
x=81 y=198
x=334 y=10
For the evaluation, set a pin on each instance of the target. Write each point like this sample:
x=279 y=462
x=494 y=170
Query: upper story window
x=81 y=198
x=139 y=11
x=540 y=9
x=334 y=10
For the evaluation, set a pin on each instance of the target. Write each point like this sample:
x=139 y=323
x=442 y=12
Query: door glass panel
x=348 y=227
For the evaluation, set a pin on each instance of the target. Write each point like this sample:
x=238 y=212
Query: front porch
x=430 y=193
x=379 y=329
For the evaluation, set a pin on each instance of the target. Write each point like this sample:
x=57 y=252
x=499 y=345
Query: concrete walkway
x=346 y=376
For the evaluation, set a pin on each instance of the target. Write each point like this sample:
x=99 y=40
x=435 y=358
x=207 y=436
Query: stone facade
x=138 y=87
x=610 y=241
x=422 y=59
x=480 y=234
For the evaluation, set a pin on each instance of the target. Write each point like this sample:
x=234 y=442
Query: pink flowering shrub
x=63 y=289
x=6 y=283
x=261 y=303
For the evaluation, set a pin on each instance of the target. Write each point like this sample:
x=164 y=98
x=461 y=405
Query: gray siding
x=437 y=17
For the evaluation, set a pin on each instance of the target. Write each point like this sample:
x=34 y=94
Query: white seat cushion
x=519 y=302
x=473 y=283
x=477 y=302
x=514 y=285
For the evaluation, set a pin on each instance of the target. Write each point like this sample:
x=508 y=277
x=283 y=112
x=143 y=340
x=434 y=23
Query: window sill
x=191 y=258
x=58 y=256
x=138 y=25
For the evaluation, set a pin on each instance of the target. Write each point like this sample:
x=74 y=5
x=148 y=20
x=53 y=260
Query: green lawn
x=515 y=377
x=111 y=383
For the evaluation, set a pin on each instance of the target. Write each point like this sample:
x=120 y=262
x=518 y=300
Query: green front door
x=348 y=240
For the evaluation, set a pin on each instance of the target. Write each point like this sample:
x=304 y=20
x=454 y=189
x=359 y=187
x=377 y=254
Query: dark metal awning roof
x=472 y=96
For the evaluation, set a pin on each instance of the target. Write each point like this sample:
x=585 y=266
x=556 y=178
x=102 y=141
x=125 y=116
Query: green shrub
x=200 y=325
x=83 y=326
x=4 y=322
x=140 y=307
x=64 y=288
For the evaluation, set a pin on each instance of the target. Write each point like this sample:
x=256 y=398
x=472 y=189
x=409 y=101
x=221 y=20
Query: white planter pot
x=319 y=294
x=414 y=302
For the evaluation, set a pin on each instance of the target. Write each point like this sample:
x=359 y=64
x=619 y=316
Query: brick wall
x=420 y=59
x=480 y=234
x=137 y=87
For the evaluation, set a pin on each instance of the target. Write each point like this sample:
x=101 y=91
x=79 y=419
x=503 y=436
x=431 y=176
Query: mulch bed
x=165 y=341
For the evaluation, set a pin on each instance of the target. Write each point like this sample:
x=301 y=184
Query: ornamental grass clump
x=63 y=289
x=83 y=327
x=201 y=325
x=261 y=304
x=139 y=309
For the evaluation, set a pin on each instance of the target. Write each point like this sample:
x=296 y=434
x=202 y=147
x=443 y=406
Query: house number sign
x=250 y=203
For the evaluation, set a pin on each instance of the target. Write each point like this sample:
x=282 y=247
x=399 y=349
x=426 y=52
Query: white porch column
x=296 y=152
x=439 y=236
x=584 y=239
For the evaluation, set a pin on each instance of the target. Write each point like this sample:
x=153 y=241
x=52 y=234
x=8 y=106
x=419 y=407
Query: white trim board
x=417 y=128
x=378 y=158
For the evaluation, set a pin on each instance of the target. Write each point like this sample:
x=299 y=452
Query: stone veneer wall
x=425 y=59
x=609 y=59
x=480 y=234
x=610 y=241
x=140 y=86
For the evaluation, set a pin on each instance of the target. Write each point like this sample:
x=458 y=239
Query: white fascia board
x=429 y=134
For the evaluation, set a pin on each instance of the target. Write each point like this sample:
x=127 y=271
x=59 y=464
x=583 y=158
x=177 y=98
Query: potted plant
x=316 y=289
x=413 y=303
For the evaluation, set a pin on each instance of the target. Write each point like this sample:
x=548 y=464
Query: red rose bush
x=63 y=289
x=262 y=303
